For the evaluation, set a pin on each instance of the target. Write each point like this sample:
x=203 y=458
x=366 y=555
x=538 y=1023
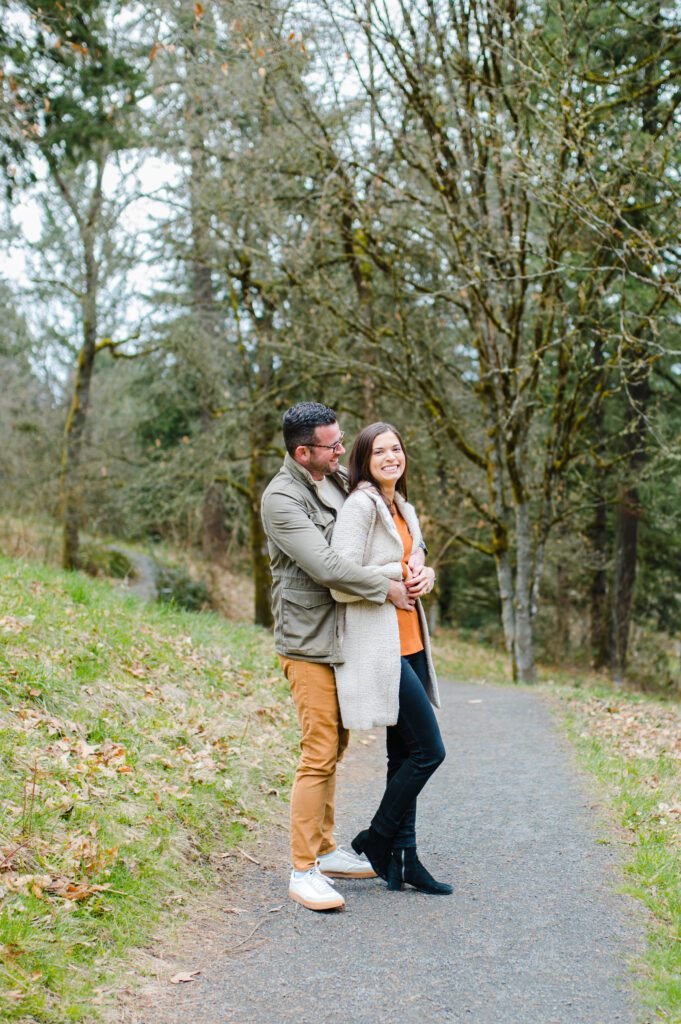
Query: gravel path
x=535 y=932
x=143 y=583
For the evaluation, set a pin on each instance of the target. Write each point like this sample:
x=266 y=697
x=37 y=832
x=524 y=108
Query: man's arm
x=289 y=527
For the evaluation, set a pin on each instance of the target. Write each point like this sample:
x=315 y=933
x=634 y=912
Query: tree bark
x=74 y=433
x=214 y=534
x=523 y=649
x=260 y=561
x=629 y=509
x=598 y=591
x=562 y=628
x=629 y=512
x=598 y=536
x=638 y=359
x=74 y=429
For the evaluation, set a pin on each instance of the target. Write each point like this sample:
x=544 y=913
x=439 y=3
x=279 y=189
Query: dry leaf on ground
x=183 y=976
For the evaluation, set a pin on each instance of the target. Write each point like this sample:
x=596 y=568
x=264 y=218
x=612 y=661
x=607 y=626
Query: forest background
x=462 y=217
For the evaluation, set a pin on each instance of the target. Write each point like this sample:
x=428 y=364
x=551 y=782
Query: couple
x=348 y=568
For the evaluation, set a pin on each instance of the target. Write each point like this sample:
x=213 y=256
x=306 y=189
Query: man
x=299 y=510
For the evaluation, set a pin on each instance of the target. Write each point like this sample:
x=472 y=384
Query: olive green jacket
x=299 y=525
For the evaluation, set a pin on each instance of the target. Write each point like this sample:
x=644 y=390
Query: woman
x=387 y=675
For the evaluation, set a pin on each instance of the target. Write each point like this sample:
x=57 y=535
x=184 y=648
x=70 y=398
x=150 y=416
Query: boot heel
x=376 y=847
x=414 y=873
x=395 y=873
x=359 y=842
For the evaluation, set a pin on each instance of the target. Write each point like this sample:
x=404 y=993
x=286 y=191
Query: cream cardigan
x=368 y=678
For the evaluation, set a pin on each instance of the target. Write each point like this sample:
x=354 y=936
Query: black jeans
x=415 y=750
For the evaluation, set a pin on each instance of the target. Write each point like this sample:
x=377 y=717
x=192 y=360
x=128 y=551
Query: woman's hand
x=421 y=582
x=417 y=560
x=400 y=596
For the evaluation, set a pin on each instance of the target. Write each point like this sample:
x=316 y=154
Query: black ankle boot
x=406 y=867
x=394 y=876
x=376 y=847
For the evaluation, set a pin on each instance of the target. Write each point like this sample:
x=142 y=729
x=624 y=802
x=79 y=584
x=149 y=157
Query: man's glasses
x=332 y=447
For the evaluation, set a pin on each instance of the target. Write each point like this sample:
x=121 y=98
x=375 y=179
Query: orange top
x=411 y=640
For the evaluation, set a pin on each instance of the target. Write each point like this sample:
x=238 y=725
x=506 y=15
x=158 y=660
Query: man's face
x=322 y=461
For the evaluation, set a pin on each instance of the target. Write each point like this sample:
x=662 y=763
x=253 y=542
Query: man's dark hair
x=300 y=422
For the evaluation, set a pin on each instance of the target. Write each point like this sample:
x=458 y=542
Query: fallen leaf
x=11 y=624
x=183 y=976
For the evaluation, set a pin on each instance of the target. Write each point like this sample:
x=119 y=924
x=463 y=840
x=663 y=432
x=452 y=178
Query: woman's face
x=387 y=461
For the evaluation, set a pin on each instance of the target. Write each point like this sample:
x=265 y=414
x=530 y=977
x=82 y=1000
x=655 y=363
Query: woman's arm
x=393 y=571
x=354 y=527
x=422 y=579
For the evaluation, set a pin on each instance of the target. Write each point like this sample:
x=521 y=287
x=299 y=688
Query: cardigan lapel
x=407 y=512
x=404 y=508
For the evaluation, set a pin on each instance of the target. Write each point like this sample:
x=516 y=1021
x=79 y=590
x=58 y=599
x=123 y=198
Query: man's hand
x=417 y=560
x=400 y=596
x=422 y=582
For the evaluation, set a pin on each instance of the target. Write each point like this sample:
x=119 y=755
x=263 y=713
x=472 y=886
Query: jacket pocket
x=308 y=619
x=324 y=520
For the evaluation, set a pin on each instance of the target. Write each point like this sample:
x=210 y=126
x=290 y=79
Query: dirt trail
x=143 y=583
x=535 y=932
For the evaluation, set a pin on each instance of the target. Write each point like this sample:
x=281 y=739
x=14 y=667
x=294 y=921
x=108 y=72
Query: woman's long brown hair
x=360 y=457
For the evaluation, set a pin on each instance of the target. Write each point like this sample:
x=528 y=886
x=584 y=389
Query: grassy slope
x=631 y=743
x=136 y=744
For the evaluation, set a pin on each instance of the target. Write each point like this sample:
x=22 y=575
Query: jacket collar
x=299 y=473
x=376 y=495
x=403 y=506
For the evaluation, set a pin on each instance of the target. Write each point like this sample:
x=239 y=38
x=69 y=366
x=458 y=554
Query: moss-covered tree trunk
x=214 y=532
x=76 y=420
x=260 y=563
x=629 y=507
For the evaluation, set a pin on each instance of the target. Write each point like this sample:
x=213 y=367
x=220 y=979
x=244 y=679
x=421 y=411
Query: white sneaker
x=314 y=891
x=342 y=863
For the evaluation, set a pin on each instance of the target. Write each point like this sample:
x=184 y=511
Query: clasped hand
x=420 y=582
x=405 y=593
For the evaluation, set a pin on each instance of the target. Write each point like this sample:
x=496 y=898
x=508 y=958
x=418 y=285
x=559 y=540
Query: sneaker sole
x=331 y=904
x=366 y=873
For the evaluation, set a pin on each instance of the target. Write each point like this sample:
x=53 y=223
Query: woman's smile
x=387 y=460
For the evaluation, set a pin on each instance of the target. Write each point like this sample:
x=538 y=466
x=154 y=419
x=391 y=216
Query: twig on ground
x=29 y=802
x=248 y=856
x=242 y=942
x=10 y=856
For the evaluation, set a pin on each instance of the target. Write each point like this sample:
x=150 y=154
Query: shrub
x=175 y=586
x=104 y=561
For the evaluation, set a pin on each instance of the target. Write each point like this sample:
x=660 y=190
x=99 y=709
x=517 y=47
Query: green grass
x=137 y=743
x=632 y=744
x=459 y=658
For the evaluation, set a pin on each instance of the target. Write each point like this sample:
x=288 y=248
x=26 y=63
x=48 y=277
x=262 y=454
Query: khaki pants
x=323 y=740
